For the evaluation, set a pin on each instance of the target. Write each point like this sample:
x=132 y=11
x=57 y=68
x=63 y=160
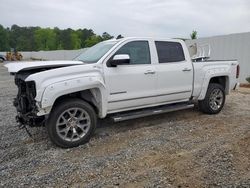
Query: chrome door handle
x=149 y=72
x=186 y=70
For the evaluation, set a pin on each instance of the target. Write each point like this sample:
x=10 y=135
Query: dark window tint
x=138 y=52
x=169 y=52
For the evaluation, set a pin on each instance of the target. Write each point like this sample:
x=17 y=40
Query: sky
x=155 y=18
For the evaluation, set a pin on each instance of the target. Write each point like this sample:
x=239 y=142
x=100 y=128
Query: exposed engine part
x=25 y=103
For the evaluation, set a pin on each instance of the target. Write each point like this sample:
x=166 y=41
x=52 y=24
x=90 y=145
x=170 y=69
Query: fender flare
x=208 y=76
x=58 y=89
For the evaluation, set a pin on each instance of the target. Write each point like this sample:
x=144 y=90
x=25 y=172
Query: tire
x=214 y=99
x=71 y=123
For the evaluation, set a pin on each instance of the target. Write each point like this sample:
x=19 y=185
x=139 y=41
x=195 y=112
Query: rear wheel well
x=222 y=80
x=85 y=95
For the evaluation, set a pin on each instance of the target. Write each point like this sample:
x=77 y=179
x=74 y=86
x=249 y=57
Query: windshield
x=93 y=54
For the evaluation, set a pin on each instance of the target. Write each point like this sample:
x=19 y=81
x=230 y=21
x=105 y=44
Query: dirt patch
x=245 y=85
x=244 y=90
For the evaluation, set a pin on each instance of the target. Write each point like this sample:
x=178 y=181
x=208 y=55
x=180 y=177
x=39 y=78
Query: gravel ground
x=180 y=149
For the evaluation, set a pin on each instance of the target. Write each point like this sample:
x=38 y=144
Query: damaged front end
x=25 y=103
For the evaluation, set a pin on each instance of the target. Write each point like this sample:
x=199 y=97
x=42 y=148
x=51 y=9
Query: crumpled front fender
x=56 y=90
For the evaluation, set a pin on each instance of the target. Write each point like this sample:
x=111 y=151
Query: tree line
x=37 y=38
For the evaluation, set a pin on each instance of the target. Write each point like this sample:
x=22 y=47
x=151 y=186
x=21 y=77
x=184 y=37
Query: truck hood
x=24 y=66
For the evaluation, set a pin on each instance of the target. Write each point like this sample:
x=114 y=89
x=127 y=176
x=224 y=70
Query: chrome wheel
x=216 y=99
x=73 y=124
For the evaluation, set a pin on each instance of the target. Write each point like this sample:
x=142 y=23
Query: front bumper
x=30 y=120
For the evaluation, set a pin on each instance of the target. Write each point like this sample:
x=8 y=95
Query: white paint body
x=127 y=87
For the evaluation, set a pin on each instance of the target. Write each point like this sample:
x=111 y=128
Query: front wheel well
x=85 y=95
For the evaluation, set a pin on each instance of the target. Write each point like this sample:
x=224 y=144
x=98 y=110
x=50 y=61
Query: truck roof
x=145 y=38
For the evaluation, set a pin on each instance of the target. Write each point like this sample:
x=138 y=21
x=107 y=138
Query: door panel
x=130 y=86
x=134 y=84
x=174 y=73
x=173 y=82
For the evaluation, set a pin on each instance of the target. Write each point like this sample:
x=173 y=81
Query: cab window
x=169 y=52
x=137 y=50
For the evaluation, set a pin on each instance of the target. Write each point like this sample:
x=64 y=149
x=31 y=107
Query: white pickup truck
x=123 y=79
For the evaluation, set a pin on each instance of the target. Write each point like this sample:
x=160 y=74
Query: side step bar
x=151 y=111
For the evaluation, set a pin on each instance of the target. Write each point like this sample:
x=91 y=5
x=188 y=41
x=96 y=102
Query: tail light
x=238 y=71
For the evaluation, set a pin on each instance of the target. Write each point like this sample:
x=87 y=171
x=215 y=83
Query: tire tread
x=204 y=104
x=55 y=112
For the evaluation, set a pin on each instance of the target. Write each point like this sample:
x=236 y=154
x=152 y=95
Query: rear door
x=174 y=72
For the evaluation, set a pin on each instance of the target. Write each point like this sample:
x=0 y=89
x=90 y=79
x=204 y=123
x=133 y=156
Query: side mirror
x=120 y=59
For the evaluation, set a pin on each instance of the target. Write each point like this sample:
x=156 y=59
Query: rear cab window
x=169 y=51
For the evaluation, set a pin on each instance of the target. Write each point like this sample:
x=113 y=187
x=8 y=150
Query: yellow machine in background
x=13 y=55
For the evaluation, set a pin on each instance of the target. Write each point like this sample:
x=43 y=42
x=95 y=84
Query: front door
x=133 y=85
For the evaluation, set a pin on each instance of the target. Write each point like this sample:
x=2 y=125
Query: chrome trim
x=119 y=92
x=186 y=70
x=149 y=72
x=148 y=96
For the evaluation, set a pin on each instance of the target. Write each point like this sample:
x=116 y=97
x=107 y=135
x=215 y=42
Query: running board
x=149 y=112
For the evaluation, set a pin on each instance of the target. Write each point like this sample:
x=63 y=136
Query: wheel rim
x=73 y=124
x=216 y=99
